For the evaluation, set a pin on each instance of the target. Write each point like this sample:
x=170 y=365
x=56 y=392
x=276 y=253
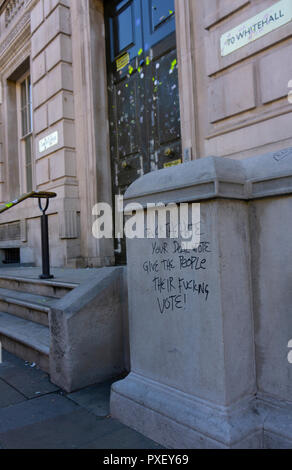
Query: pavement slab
x=34 y=411
x=95 y=398
x=124 y=438
x=9 y=396
x=29 y=381
x=70 y=431
x=35 y=414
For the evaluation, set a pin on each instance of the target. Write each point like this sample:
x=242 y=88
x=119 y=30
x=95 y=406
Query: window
x=26 y=129
x=122 y=28
x=11 y=256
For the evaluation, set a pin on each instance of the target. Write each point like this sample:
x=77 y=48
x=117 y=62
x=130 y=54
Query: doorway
x=142 y=73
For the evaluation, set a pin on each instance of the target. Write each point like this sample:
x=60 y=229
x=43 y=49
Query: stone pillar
x=192 y=380
x=211 y=329
x=187 y=78
x=91 y=120
x=54 y=123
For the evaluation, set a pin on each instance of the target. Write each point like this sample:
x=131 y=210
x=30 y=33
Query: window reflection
x=161 y=11
x=123 y=29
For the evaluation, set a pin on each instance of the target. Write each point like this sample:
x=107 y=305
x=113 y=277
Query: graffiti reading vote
x=177 y=274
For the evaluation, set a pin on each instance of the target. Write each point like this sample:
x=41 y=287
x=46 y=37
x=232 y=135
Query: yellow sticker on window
x=175 y=163
x=122 y=61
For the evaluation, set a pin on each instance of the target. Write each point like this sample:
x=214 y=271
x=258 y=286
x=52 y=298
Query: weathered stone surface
x=62 y=163
x=57 y=22
x=61 y=107
x=37 y=15
x=274 y=85
x=41 y=119
x=232 y=93
x=38 y=68
x=87 y=333
x=60 y=49
x=216 y=366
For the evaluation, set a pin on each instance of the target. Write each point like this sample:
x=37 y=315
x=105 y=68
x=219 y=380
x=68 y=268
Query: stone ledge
x=178 y=420
x=216 y=177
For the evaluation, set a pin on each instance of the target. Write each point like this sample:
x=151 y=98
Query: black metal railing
x=44 y=224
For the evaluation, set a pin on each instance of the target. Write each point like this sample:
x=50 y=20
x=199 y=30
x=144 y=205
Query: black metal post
x=45 y=242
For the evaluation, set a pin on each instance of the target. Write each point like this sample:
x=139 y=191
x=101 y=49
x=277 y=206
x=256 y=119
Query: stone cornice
x=15 y=39
x=3 y=5
x=216 y=177
x=16 y=34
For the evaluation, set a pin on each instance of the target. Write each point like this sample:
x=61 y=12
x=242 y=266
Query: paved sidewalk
x=35 y=414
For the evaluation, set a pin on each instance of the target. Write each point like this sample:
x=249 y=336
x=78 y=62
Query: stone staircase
x=73 y=327
x=24 y=316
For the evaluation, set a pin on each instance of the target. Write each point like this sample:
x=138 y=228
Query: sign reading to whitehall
x=254 y=28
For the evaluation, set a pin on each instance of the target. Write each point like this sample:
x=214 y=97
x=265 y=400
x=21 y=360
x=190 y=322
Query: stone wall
x=53 y=103
x=234 y=105
x=63 y=45
x=39 y=38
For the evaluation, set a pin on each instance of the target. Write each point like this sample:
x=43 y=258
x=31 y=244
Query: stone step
x=56 y=289
x=29 y=306
x=28 y=340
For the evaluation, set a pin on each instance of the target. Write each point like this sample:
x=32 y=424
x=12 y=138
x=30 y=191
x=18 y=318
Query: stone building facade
x=55 y=132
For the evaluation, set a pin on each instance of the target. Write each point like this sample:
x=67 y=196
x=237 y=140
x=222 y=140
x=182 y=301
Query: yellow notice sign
x=122 y=61
x=254 y=28
x=175 y=163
